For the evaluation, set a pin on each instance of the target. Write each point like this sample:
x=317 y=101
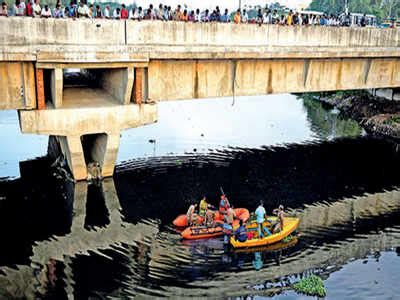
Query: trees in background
x=381 y=8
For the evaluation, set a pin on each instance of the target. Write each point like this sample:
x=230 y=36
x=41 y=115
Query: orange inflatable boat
x=202 y=232
x=241 y=214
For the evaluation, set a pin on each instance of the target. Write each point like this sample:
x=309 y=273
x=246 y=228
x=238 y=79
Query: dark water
x=62 y=240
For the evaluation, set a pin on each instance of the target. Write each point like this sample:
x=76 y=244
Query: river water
x=115 y=239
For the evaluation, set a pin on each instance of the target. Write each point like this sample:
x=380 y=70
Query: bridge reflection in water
x=114 y=247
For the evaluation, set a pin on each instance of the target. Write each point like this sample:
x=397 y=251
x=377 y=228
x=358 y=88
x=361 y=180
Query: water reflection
x=198 y=126
x=327 y=123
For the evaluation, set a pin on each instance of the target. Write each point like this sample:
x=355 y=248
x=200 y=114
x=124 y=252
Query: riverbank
x=378 y=116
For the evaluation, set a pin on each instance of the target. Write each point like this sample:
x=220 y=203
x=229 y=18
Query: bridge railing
x=30 y=31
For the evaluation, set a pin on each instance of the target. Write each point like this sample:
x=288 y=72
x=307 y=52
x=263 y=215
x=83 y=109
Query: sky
x=203 y=4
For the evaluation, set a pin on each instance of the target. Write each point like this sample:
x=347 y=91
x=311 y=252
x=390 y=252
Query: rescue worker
x=224 y=204
x=227 y=229
x=281 y=218
x=191 y=215
x=209 y=219
x=230 y=215
x=241 y=233
x=260 y=214
x=203 y=207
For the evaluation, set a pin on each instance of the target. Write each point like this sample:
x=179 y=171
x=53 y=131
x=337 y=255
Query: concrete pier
x=131 y=64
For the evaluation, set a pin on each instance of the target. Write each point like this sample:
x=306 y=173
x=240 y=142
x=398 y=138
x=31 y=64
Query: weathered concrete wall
x=188 y=79
x=17 y=85
x=29 y=31
x=220 y=34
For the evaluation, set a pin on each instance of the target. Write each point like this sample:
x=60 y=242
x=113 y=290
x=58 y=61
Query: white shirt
x=36 y=10
x=245 y=18
x=45 y=13
x=106 y=13
x=116 y=15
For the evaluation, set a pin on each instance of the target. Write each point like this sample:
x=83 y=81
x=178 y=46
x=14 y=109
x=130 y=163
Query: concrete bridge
x=132 y=65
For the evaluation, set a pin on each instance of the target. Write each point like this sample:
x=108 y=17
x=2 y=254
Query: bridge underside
x=117 y=95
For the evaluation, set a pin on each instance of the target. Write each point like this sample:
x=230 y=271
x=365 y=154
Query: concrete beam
x=74 y=121
x=190 y=79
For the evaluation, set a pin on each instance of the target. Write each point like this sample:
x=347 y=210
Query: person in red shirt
x=29 y=9
x=124 y=12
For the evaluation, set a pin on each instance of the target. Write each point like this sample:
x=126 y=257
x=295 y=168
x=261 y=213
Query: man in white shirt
x=245 y=17
x=260 y=215
x=107 y=12
x=83 y=10
x=117 y=13
x=46 y=12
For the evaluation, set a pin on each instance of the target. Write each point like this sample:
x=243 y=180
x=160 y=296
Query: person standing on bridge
x=107 y=12
x=99 y=14
x=245 y=16
x=225 y=17
x=3 y=10
x=58 y=12
x=124 y=12
x=37 y=10
x=117 y=14
x=83 y=10
x=237 y=19
x=46 y=12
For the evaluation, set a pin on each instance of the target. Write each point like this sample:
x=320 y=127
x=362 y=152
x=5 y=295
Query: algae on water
x=312 y=285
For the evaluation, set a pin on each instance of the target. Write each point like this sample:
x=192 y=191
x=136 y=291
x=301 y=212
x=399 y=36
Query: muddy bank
x=376 y=115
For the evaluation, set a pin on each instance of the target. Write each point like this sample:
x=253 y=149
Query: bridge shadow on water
x=61 y=239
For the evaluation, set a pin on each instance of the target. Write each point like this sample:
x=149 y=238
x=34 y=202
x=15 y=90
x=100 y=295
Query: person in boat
x=209 y=218
x=280 y=213
x=203 y=206
x=227 y=229
x=191 y=214
x=230 y=215
x=260 y=217
x=224 y=204
x=241 y=233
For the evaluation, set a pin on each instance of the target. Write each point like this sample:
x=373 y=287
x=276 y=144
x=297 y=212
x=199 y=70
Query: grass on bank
x=312 y=286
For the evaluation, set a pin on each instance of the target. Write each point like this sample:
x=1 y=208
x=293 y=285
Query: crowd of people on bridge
x=166 y=13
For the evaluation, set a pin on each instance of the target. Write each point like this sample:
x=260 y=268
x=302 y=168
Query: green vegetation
x=396 y=119
x=393 y=120
x=381 y=8
x=312 y=286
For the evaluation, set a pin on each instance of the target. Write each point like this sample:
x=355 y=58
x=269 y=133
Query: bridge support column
x=81 y=152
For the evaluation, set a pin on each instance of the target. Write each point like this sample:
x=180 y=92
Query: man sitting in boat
x=224 y=204
x=241 y=233
x=230 y=215
x=191 y=215
x=209 y=219
x=281 y=218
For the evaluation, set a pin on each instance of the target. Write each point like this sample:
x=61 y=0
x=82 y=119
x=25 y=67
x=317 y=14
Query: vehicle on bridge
x=355 y=19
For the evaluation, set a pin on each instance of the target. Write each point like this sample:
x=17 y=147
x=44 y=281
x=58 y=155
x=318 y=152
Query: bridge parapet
x=27 y=31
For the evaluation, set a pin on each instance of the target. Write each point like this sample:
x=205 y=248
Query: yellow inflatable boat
x=291 y=224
